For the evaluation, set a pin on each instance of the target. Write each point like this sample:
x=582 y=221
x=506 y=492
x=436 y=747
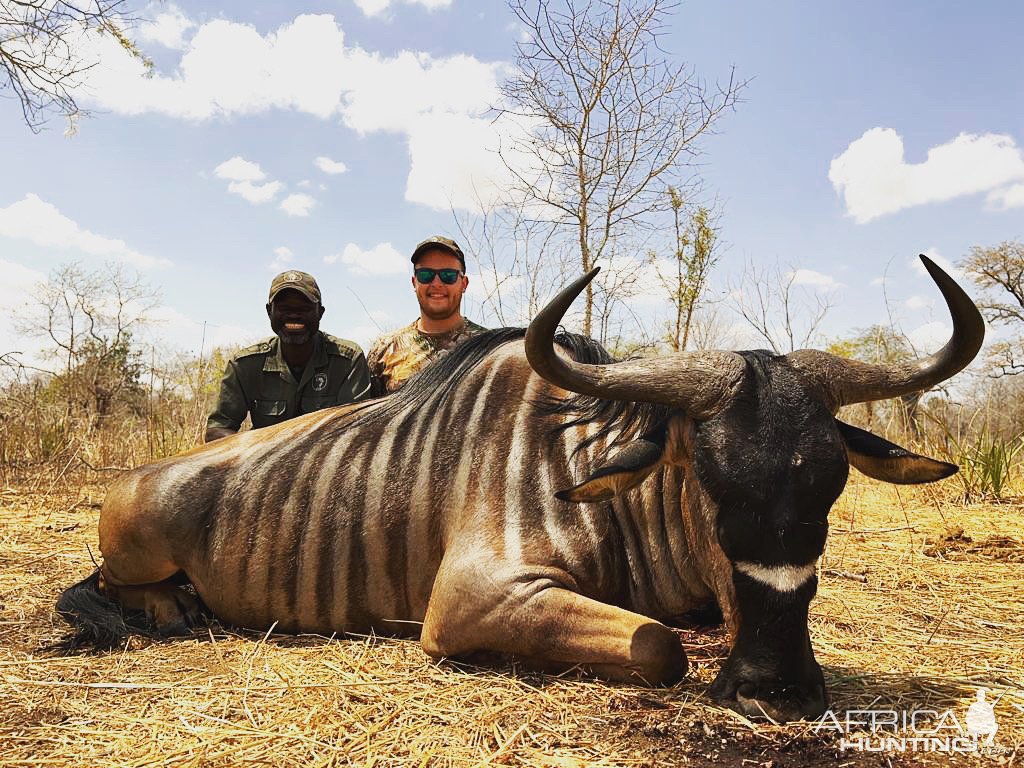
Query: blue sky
x=205 y=176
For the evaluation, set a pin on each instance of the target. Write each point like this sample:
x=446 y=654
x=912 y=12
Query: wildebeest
x=450 y=509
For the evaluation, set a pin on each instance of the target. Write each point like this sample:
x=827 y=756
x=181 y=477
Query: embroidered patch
x=320 y=382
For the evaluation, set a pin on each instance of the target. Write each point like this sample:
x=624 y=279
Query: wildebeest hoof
x=191 y=610
x=173 y=611
x=177 y=629
x=781 y=704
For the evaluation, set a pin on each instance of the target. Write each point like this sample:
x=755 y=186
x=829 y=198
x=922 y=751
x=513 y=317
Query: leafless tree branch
x=782 y=314
x=41 y=58
x=613 y=120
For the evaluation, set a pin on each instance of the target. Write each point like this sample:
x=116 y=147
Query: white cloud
x=1011 y=197
x=41 y=223
x=171 y=327
x=373 y=7
x=875 y=179
x=919 y=302
x=229 y=69
x=167 y=28
x=431 y=5
x=947 y=266
x=455 y=161
x=239 y=169
x=329 y=166
x=364 y=335
x=393 y=93
x=283 y=257
x=243 y=176
x=19 y=283
x=297 y=204
x=377 y=7
x=815 y=279
x=381 y=259
x=255 y=193
x=930 y=337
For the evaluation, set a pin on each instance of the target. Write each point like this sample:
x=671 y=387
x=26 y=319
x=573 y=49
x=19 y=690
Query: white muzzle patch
x=781 y=578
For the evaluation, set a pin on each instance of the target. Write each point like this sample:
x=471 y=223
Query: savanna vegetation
x=920 y=600
x=99 y=398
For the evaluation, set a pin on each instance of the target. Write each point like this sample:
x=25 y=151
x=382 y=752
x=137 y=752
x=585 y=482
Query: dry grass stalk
x=919 y=631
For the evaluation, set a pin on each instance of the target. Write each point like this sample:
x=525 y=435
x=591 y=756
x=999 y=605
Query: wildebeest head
x=760 y=437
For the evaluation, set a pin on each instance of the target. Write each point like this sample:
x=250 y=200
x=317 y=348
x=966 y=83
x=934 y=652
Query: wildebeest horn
x=851 y=381
x=697 y=382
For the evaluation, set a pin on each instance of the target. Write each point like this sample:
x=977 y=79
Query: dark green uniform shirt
x=259 y=382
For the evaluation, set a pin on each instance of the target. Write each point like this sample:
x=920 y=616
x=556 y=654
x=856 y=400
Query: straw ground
x=920 y=604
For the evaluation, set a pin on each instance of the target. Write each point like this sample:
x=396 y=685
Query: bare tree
x=622 y=279
x=884 y=345
x=786 y=316
x=87 y=319
x=685 y=276
x=708 y=329
x=517 y=258
x=611 y=120
x=1000 y=268
x=1007 y=357
x=41 y=59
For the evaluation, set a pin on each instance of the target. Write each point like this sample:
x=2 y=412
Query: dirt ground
x=920 y=604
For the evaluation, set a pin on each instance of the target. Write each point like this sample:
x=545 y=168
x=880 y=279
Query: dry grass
x=920 y=603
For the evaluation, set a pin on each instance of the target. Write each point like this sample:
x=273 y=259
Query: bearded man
x=439 y=281
x=300 y=370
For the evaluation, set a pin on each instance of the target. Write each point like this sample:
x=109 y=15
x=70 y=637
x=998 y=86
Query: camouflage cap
x=297 y=281
x=445 y=244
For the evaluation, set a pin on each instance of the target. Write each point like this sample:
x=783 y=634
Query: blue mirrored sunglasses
x=426 y=275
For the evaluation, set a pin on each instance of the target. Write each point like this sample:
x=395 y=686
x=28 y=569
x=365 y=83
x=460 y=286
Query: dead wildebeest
x=709 y=478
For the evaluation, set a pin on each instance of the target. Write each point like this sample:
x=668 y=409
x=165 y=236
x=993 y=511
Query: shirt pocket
x=269 y=408
x=310 y=404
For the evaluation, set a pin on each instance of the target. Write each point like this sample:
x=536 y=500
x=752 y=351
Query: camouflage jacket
x=395 y=357
x=259 y=382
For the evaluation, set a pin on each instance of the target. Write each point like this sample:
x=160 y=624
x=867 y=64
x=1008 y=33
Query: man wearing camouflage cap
x=439 y=280
x=299 y=371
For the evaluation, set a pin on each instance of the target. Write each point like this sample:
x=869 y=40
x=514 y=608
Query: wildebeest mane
x=438 y=380
x=621 y=418
x=624 y=420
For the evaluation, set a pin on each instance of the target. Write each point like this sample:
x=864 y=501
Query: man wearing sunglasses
x=298 y=371
x=439 y=280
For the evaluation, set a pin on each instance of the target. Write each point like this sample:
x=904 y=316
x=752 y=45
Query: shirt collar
x=275 y=362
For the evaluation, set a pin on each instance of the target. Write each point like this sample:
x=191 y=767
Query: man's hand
x=216 y=433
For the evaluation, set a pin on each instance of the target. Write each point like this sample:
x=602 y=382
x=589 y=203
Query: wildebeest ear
x=624 y=469
x=882 y=460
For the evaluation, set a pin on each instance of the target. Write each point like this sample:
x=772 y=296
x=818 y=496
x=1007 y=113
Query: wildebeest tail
x=96 y=621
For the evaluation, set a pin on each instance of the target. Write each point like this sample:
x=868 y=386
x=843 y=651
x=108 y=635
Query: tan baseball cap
x=302 y=282
x=445 y=244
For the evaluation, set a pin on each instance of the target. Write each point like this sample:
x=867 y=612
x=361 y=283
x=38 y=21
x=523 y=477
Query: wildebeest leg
x=534 y=617
x=172 y=609
x=136 y=568
x=137 y=551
